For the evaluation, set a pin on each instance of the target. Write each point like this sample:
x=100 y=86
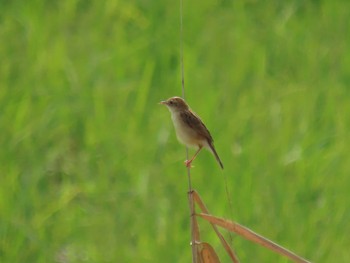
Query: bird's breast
x=185 y=134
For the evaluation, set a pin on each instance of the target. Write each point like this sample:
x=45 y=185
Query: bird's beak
x=163 y=102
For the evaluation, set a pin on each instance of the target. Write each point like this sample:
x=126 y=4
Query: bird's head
x=175 y=104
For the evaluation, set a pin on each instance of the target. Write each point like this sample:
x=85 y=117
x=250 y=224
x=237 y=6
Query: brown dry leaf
x=207 y=254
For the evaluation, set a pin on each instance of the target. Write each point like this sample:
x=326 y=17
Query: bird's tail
x=212 y=148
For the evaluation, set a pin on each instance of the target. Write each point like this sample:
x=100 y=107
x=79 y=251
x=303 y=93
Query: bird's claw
x=188 y=163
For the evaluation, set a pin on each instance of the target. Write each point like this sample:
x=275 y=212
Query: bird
x=190 y=130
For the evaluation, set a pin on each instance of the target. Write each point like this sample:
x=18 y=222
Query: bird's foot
x=188 y=163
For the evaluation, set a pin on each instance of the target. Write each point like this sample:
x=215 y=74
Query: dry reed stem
x=227 y=247
x=252 y=236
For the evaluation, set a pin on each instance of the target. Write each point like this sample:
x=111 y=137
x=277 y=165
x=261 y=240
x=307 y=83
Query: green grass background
x=90 y=167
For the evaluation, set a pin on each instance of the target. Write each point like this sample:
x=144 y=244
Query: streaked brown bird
x=190 y=130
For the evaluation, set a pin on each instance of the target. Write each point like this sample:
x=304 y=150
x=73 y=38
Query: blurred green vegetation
x=89 y=164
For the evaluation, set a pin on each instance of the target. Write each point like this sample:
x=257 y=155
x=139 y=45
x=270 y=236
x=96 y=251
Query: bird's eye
x=171 y=102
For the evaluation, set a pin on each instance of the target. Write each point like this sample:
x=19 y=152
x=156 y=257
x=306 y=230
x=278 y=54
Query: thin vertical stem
x=190 y=197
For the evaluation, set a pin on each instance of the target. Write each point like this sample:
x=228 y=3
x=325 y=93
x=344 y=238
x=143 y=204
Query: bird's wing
x=194 y=122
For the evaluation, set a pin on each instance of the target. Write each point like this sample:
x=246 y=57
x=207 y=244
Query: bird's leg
x=188 y=162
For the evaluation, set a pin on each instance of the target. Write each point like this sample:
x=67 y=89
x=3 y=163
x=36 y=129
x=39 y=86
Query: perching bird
x=190 y=130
